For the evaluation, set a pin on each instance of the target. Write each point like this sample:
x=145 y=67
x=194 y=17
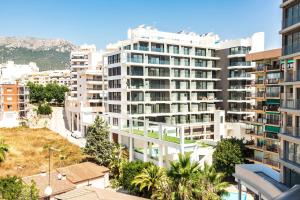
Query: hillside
x=47 y=53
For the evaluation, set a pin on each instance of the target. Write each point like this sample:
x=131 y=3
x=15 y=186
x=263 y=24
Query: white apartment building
x=86 y=88
x=61 y=77
x=162 y=93
x=237 y=82
x=12 y=71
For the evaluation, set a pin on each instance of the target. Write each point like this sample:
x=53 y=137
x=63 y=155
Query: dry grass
x=28 y=151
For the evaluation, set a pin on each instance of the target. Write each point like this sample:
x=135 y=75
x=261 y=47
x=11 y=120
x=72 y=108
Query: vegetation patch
x=28 y=151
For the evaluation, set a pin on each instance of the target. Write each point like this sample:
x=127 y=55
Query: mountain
x=46 y=53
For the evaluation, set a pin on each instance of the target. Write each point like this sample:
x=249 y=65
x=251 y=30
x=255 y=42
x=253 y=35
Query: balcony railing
x=239 y=75
x=233 y=64
x=291 y=104
x=272 y=162
x=141 y=48
x=292 y=131
x=273 y=80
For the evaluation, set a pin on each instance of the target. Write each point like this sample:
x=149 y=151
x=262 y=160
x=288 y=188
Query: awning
x=273 y=101
x=273 y=129
x=291 y=61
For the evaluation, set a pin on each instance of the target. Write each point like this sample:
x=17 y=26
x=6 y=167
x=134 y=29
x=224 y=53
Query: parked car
x=76 y=134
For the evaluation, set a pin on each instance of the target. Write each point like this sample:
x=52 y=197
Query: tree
x=182 y=174
x=52 y=92
x=13 y=188
x=98 y=145
x=129 y=172
x=44 y=109
x=164 y=189
x=118 y=161
x=3 y=150
x=149 y=179
x=227 y=154
x=36 y=92
x=211 y=182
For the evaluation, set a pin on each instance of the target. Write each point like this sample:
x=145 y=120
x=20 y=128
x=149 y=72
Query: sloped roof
x=58 y=186
x=90 y=193
x=83 y=172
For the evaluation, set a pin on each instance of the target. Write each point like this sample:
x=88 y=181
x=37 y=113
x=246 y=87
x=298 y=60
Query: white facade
x=61 y=77
x=239 y=80
x=86 y=88
x=12 y=71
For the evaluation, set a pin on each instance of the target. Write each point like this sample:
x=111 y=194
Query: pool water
x=234 y=196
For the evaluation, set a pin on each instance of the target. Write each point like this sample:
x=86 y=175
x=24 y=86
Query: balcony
x=141 y=48
x=156 y=49
x=272 y=163
x=158 y=62
x=273 y=80
x=234 y=64
x=292 y=77
x=136 y=60
x=273 y=67
x=292 y=131
x=240 y=76
x=270 y=135
x=291 y=104
x=272 y=148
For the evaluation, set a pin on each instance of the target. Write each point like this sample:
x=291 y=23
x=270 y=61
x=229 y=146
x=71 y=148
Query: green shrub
x=228 y=153
x=44 y=109
x=130 y=170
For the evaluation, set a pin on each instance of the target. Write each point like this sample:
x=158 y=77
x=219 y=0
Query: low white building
x=61 y=77
x=12 y=71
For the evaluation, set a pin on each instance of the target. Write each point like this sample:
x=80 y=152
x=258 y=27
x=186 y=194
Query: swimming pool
x=234 y=196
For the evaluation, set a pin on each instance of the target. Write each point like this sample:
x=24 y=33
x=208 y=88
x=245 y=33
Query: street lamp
x=48 y=190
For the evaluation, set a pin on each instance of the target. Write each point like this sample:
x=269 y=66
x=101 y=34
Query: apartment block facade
x=290 y=109
x=87 y=88
x=165 y=77
x=61 y=77
x=263 y=128
x=13 y=103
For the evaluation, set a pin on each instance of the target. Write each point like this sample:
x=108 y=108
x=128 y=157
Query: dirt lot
x=28 y=151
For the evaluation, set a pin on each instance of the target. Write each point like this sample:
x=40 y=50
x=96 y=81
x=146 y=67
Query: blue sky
x=104 y=21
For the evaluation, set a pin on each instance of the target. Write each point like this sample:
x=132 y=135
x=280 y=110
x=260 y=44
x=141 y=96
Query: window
x=114 y=108
x=200 y=52
x=239 y=50
x=115 y=121
x=114 y=59
x=9 y=107
x=9 y=98
x=114 y=71
x=9 y=89
x=115 y=96
x=114 y=83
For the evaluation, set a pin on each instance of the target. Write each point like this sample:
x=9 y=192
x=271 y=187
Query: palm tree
x=149 y=179
x=118 y=160
x=211 y=183
x=182 y=174
x=3 y=150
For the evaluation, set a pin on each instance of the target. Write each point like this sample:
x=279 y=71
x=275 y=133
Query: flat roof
x=83 y=171
x=273 y=53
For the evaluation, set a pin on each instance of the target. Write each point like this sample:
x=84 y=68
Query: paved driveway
x=58 y=124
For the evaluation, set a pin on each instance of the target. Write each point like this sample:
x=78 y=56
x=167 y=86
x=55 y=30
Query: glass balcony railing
x=239 y=75
x=292 y=131
x=233 y=64
x=141 y=48
x=291 y=104
x=156 y=49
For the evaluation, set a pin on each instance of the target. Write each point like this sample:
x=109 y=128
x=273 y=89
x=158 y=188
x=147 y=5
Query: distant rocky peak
x=37 y=43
